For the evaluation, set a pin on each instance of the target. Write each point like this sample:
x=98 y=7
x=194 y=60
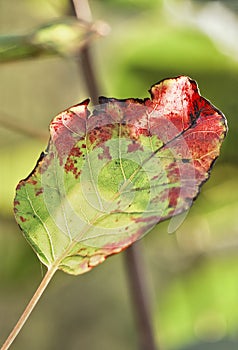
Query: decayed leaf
x=108 y=176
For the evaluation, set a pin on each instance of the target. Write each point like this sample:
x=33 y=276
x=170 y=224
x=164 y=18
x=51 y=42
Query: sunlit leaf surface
x=110 y=174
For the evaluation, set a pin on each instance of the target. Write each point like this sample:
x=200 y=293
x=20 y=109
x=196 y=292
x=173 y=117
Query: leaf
x=108 y=176
x=59 y=37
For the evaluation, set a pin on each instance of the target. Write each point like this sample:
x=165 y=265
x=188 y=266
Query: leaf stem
x=31 y=305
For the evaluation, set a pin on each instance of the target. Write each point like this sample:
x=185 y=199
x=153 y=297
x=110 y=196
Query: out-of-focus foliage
x=63 y=38
x=193 y=272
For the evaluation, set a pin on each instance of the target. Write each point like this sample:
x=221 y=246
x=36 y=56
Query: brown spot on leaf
x=134 y=146
x=105 y=154
x=146 y=219
x=40 y=191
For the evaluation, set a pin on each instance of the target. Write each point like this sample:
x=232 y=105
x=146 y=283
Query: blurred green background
x=192 y=275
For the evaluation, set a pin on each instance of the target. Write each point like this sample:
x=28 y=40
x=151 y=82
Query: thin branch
x=92 y=84
x=139 y=297
x=81 y=9
x=40 y=290
x=8 y=122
